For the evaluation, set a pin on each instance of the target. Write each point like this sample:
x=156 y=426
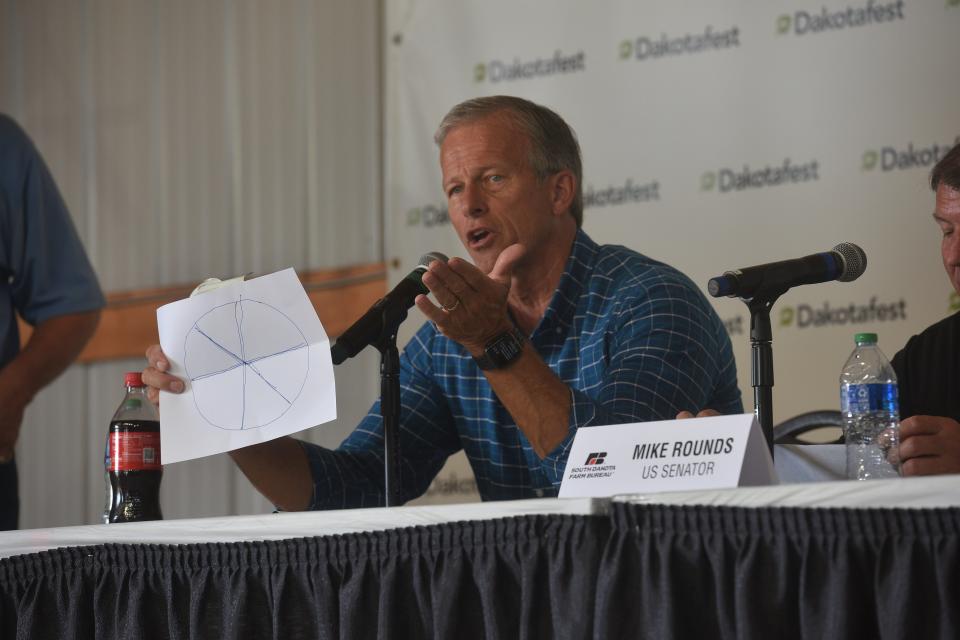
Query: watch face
x=506 y=347
x=503 y=350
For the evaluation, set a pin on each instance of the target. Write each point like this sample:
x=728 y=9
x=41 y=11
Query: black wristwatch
x=501 y=351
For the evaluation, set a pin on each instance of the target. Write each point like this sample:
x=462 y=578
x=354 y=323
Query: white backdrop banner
x=715 y=135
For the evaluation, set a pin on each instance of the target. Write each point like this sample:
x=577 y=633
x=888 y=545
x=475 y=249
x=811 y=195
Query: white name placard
x=671 y=455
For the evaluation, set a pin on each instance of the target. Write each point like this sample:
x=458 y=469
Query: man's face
x=947 y=215
x=493 y=195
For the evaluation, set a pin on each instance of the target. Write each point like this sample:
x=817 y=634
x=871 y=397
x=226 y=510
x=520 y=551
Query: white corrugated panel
x=189 y=140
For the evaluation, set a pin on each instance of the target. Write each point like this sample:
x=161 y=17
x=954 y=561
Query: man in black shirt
x=928 y=367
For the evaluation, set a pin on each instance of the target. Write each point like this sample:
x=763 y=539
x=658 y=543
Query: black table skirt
x=643 y=571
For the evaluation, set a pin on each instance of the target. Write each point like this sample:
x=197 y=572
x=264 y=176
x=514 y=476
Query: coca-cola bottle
x=132 y=458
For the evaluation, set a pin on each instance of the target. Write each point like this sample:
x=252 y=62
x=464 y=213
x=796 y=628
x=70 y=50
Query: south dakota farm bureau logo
x=597 y=457
x=850 y=17
x=593 y=468
x=501 y=71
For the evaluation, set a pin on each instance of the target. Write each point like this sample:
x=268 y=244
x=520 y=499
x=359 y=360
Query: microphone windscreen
x=427 y=258
x=854 y=261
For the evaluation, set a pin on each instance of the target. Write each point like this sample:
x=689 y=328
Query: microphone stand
x=386 y=344
x=761 y=348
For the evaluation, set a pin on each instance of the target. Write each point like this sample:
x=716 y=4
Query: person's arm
x=50 y=281
x=297 y=475
x=659 y=359
x=279 y=470
x=52 y=346
x=929 y=445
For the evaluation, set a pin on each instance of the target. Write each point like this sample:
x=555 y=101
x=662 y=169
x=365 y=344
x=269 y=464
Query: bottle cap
x=133 y=379
x=865 y=338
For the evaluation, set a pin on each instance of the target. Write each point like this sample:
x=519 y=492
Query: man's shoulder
x=937 y=333
x=11 y=134
x=632 y=269
x=17 y=152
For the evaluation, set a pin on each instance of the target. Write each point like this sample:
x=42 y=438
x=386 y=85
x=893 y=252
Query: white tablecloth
x=818 y=460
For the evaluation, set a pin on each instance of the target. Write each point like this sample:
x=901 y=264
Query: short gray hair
x=553 y=144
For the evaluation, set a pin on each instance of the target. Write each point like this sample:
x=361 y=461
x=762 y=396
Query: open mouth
x=478 y=237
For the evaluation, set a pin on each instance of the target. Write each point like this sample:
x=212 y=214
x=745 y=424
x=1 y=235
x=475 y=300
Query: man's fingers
x=918 y=446
x=159 y=380
x=506 y=261
x=156 y=358
x=705 y=413
x=469 y=273
x=429 y=309
x=925 y=466
x=919 y=426
x=442 y=286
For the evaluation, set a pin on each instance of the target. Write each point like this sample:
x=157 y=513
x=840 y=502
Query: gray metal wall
x=192 y=139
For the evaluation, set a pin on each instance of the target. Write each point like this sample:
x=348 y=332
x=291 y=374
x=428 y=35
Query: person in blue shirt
x=546 y=332
x=48 y=281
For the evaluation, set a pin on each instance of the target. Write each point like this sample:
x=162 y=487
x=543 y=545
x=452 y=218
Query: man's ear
x=563 y=188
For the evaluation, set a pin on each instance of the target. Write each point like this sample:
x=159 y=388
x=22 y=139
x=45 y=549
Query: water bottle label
x=864 y=398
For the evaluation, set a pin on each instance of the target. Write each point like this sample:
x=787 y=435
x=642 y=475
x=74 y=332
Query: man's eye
x=454 y=190
x=496 y=178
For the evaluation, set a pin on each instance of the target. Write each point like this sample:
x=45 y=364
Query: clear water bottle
x=871 y=412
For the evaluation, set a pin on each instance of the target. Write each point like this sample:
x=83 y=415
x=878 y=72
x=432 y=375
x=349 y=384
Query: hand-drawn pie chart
x=247 y=363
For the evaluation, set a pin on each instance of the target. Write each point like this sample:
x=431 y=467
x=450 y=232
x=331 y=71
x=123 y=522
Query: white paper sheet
x=256 y=364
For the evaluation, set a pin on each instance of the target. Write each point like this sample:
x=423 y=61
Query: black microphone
x=845 y=262
x=369 y=327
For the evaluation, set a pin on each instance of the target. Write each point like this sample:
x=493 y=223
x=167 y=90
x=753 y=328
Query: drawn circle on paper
x=247 y=363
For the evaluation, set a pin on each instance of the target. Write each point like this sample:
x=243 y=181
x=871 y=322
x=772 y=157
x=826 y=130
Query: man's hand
x=929 y=445
x=155 y=376
x=52 y=346
x=474 y=305
x=13 y=402
x=706 y=413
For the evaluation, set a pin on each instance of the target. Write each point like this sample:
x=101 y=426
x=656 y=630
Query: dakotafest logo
x=500 y=71
x=428 y=216
x=651 y=48
x=872 y=13
x=626 y=193
x=805 y=316
x=909 y=157
x=728 y=179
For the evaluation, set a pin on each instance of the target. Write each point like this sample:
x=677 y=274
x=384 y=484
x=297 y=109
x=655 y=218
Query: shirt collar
x=563 y=305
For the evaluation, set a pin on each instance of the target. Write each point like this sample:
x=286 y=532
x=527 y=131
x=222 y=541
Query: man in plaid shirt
x=545 y=333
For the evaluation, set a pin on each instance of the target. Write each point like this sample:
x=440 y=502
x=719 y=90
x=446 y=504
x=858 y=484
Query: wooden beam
x=128 y=324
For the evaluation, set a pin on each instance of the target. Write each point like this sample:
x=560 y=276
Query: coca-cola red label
x=134 y=451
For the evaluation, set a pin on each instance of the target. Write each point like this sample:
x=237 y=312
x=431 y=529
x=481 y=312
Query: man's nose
x=474 y=201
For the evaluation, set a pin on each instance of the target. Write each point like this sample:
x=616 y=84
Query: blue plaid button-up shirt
x=634 y=338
